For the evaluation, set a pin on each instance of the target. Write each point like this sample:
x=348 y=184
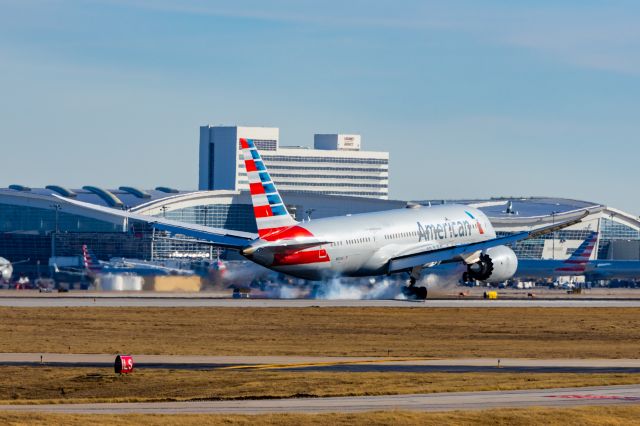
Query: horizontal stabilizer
x=286 y=245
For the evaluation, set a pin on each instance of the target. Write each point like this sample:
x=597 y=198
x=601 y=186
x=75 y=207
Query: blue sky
x=472 y=99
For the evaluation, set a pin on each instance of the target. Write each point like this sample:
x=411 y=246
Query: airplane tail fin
x=269 y=209
x=583 y=252
x=580 y=257
x=91 y=262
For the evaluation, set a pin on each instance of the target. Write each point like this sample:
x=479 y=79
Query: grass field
x=66 y=385
x=600 y=416
x=406 y=332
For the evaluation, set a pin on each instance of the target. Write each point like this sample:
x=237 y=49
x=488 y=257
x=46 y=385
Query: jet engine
x=496 y=264
x=6 y=270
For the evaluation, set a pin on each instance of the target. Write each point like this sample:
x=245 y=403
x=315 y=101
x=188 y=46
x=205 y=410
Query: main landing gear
x=412 y=291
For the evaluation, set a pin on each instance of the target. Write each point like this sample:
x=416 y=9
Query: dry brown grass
x=420 y=332
x=65 y=385
x=600 y=416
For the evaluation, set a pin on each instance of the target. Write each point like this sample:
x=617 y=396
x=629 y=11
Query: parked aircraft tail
x=90 y=261
x=580 y=257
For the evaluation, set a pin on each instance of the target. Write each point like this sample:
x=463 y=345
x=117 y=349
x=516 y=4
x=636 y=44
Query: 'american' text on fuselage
x=441 y=231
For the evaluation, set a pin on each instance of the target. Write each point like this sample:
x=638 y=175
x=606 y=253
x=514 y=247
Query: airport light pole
x=553 y=242
x=611 y=215
x=57 y=208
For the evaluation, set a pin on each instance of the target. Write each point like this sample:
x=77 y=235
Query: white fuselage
x=363 y=244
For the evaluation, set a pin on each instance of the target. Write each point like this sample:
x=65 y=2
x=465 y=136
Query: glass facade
x=328 y=169
x=264 y=144
x=351 y=176
x=304 y=159
x=309 y=176
x=239 y=217
x=533 y=248
x=343 y=192
x=282 y=184
x=17 y=218
x=527 y=249
x=612 y=230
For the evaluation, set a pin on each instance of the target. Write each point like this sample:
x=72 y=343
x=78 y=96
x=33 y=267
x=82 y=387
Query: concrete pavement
x=565 y=397
x=49 y=301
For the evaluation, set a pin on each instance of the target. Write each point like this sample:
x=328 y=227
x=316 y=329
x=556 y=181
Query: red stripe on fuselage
x=569 y=269
x=300 y=257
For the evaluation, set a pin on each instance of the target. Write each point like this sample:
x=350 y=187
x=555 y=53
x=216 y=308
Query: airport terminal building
x=36 y=225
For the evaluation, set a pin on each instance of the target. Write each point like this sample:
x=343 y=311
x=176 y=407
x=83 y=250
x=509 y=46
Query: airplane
x=612 y=270
x=575 y=265
x=121 y=265
x=579 y=264
x=6 y=268
x=92 y=267
x=367 y=244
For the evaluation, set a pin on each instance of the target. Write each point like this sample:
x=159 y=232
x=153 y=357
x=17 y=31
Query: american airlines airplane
x=379 y=243
x=579 y=263
x=576 y=264
x=93 y=266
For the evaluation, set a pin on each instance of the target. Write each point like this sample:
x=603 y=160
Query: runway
x=330 y=364
x=50 y=301
x=566 y=397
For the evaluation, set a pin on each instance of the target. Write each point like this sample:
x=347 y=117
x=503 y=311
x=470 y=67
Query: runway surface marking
x=111 y=301
x=565 y=397
x=299 y=365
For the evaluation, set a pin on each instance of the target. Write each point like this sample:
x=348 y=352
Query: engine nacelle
x=496 y=264
x=6 y=270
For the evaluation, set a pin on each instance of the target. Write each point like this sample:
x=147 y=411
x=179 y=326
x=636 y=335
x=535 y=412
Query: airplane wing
x=69 y=270
x=458 y=253
x=218 y=236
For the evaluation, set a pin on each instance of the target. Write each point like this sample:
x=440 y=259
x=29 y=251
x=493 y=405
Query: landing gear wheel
x=415 y=293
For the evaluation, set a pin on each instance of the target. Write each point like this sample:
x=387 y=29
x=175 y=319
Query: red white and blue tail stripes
x=269 y=209
x=91 y=262
x=580 y=257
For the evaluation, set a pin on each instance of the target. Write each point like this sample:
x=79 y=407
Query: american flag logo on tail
x=577 y=263
x=270 y=212
x=90 y=261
